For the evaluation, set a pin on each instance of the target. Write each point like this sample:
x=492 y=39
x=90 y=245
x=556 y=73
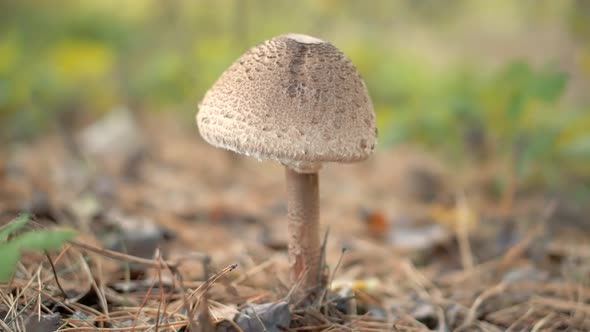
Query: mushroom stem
x=304 y=241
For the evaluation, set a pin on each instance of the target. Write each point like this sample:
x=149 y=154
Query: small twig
x=201 y=308
x=207 y=284
x=144 y=302
x=333 y=276
x=520 y=319
x=259 y=319
x=562 y=305
x=13 y=307
x=463 y=233
x=331 y=280
x=119 y=256
x=133 y=259
x=235 y=325
x=63 y=292
x=99 y=293
x=539 y=324
x=471 y=316
x=4 y=326
x=442 y=324
x=158 y=256
x=323 y=257
x=260 y=267
x=39 y=293
x=185 y=303
x=295 y=288
x=161 y=285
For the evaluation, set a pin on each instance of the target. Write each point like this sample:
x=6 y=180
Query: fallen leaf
x=421 y=237
x=269 y=317
x=45 y=323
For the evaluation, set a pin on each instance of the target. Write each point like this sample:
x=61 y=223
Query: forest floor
x=163 y=219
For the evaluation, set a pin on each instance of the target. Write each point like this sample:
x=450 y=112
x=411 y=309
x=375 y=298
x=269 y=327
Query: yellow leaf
x=369 y=285
x=458 y=216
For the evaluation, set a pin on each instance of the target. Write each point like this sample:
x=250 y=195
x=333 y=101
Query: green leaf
x=42 y=239
x=13 y=226
x=10 y=256
x=32 y=240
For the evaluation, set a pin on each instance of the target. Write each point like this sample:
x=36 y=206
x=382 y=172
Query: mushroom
x=300 y=101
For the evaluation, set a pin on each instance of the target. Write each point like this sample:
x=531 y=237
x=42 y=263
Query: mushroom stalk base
x=304 y=240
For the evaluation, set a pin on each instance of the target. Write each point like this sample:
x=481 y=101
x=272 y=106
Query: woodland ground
x=428 y=246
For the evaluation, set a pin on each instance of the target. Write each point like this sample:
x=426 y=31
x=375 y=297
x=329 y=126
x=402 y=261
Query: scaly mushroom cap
x=294 y=98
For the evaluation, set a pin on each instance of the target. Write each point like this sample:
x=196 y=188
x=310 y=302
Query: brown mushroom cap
x=294 y=98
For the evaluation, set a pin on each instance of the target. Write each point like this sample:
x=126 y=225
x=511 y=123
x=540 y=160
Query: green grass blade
x=10 y=256
x=13 y=226
x=43 y=239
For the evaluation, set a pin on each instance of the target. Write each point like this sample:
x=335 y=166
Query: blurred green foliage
x=164 y=54
x=39 y=240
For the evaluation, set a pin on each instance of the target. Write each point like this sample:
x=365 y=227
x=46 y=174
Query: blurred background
x=481 y=177
x=464 y=79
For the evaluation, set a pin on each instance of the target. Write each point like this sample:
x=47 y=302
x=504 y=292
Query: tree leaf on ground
x=45 y=323
x=270 y=317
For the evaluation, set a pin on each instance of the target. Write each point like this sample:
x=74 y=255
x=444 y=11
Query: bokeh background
x=467 y=80
x=473 y=214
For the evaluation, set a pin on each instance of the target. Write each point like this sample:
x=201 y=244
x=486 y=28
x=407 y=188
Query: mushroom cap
x=294 y=98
